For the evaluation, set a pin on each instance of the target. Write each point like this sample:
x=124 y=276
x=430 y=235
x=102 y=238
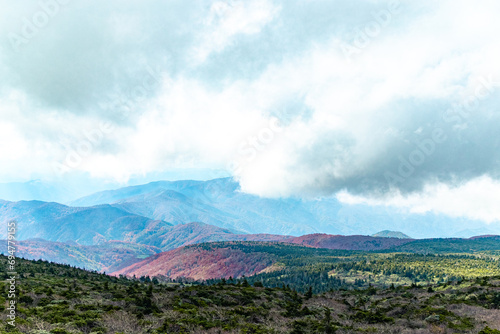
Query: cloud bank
x=378 y=99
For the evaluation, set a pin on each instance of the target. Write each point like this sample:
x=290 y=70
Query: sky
x=376 y=102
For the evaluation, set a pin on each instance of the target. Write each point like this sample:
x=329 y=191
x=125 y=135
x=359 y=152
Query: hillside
x=351 y=242
x=138 y=237
x=105 y=257
x=225 y=259
x=101 y=223
x=205 y=261
x=62 y=300
x=116 y=255
x=217 y=202
x=220 y=202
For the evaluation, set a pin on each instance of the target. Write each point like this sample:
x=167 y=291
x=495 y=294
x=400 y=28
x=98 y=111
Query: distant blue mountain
x=391 y=234
x=84 y=225
x=219 y=202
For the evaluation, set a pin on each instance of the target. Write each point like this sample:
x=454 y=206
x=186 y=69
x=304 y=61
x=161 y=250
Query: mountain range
x=220 y=202
x=138 y=212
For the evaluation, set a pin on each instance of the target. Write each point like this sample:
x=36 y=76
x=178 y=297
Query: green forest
x=322 y=270
x=309 y=291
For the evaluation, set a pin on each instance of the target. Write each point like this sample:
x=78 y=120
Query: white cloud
x=476 y=199
x=228 y=19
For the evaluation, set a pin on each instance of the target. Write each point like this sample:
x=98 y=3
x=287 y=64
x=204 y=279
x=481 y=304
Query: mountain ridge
x=391 y=234
x=220 y=202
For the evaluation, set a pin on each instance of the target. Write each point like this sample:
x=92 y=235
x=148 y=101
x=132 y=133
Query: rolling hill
x=218 y=259
x=167 y=215
x=216 y=202
x=349 y=242
x=201 y=262
x=116 y=255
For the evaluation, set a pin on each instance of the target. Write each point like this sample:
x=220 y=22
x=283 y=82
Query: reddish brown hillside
x=350 y=242
x=200 y=263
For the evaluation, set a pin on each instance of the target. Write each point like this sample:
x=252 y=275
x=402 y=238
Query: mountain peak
x=391 y=234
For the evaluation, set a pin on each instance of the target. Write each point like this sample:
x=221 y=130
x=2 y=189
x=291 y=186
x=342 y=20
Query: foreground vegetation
x=60 y=299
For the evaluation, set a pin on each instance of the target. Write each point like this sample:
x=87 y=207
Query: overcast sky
x=379 y=102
